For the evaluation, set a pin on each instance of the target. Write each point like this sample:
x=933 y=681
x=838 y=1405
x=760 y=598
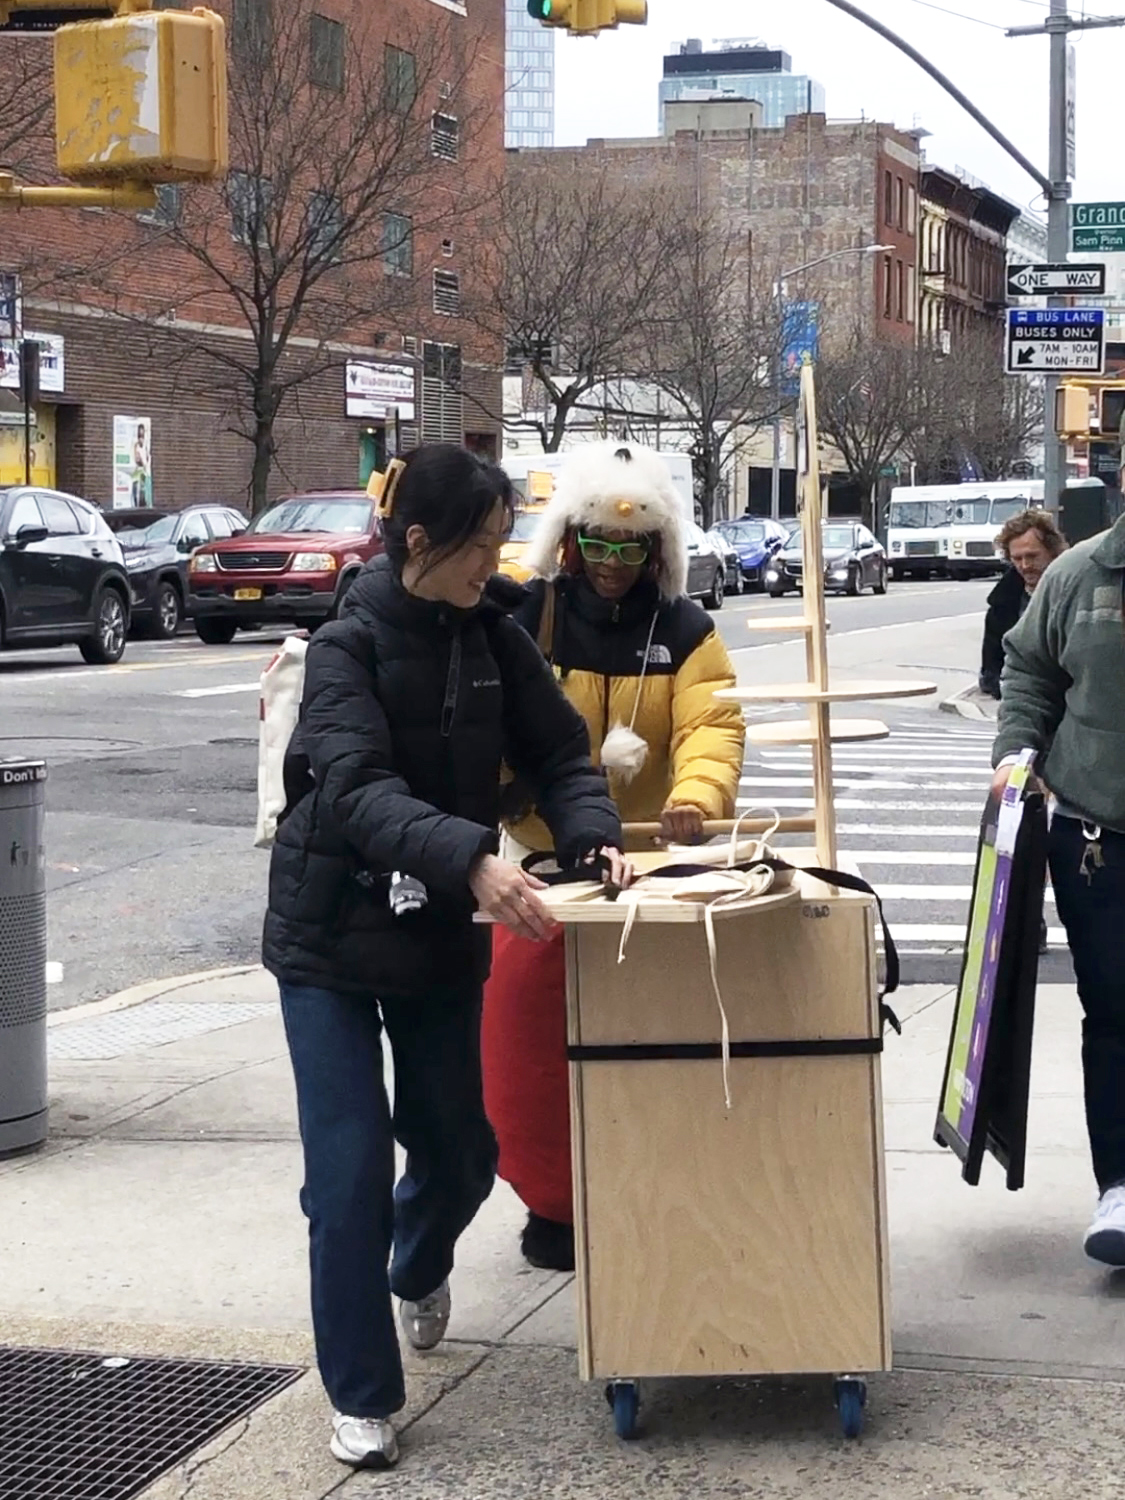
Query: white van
x=534 y=477
x=952 y=528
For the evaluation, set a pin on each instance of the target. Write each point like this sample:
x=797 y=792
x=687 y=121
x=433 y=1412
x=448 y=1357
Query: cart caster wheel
x=624 y=1401
x=851 y=1398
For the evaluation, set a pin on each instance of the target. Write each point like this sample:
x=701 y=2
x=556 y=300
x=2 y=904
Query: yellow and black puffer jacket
x=598 y=647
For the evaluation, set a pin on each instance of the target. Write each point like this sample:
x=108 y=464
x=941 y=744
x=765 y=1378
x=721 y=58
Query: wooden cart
x=749 y=1240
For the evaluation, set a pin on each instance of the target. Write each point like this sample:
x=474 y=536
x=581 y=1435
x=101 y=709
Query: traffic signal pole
x=1056 y=185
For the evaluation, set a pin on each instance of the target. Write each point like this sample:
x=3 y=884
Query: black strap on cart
x=544 y=867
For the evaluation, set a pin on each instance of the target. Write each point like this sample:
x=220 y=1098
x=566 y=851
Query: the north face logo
x=659 y=656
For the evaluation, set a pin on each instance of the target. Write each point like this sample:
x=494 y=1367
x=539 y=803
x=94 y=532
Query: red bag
x=526 y=1078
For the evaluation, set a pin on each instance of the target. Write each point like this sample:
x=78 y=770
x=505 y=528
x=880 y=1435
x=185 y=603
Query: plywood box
x=743 y=1241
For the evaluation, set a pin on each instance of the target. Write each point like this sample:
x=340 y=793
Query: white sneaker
x=1105 y=1238
x=363 y=1442
x=424 y=1322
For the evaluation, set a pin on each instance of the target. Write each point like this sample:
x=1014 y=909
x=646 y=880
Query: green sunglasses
x=631 y=554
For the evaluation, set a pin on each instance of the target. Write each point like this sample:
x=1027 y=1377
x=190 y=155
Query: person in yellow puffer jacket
x=641 y=662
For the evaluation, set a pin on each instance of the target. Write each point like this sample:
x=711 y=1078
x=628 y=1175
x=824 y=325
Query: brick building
x=799 y=192
x=963 y=256
x=139 y=334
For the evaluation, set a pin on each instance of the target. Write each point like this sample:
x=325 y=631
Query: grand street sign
x=1056 y=341
x=1098 y=226
x=1042 y=281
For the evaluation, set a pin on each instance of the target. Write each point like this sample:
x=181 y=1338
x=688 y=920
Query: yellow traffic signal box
x=142 y=97
x=588 y=17
x=1072 y=410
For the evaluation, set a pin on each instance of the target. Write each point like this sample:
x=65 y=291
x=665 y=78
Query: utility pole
x=1056 y=185
x=1061 y=169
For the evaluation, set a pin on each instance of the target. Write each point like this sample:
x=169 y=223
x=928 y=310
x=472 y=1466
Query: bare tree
x=337 y=147
x=25 y=100
x=871 y=405
x=575 y=283
x=975 y=419
x=714 y=350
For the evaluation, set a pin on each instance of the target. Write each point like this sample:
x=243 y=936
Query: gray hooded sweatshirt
x=1064 y=680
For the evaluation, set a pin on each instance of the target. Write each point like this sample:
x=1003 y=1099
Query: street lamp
x=779 y=293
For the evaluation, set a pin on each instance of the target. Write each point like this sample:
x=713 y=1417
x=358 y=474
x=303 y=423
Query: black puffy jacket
x=1006 y=604
x=409 y=708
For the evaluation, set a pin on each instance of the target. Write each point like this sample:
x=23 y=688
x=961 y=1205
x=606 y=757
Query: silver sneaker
x=363 y=1442
x=1105 y=1238
x=424 y=1322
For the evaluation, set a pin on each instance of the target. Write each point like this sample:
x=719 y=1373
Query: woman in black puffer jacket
x=411 y=703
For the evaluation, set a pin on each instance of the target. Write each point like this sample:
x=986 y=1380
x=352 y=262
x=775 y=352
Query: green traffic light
x=540 y=10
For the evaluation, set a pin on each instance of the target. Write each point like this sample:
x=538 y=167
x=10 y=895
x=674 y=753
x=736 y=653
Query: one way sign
x=1040 y=281
x=1056 y=341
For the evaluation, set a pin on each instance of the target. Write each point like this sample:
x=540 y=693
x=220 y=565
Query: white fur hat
x=615 y=487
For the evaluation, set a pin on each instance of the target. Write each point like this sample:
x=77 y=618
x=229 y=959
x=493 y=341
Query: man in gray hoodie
x=1063 y=695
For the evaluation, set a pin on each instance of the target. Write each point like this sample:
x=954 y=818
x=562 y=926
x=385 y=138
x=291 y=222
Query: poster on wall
x=52 y=363
x=371 y=390
x=132 y=462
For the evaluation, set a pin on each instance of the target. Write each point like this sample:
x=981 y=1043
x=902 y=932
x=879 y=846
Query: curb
x=152 y=989
x=964 y=703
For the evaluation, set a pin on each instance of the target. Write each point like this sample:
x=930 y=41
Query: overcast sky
x=608 y=86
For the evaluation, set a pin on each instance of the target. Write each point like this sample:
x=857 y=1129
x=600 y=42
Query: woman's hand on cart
x=508 y=894
x=620 y=873
x=682 y=825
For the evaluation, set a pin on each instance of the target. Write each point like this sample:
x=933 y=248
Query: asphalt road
x=153 y=764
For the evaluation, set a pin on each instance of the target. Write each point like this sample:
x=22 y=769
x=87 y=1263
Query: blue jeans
x=358 y=1220
x=1093 y=913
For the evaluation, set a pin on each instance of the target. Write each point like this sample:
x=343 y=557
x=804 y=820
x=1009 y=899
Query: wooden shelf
x=801 y=732
x=844 y=692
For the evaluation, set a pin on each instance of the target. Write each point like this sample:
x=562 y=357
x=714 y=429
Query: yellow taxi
x=512 y=552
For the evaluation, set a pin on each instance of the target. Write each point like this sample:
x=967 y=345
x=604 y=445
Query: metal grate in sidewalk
x=153 y=1024
x=91 y=1427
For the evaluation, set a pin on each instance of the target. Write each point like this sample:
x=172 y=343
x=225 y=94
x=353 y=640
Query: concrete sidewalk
x=162 y=1218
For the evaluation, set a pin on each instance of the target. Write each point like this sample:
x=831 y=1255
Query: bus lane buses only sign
x=1056 y=341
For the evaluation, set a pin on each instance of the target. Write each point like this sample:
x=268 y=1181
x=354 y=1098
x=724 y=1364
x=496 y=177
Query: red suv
x=291 y=566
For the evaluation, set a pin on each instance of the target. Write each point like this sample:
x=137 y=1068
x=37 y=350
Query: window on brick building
x=400 y=74
x=325 y=225
x=911 y=209
x=250 y=199
x=888 y=274
x=447 y=293
x=251 y=28
x=168 y=206
x=900 y=291
x=888 y=198
x=445 y=136
x=911 y=293
x=397 y=245
x=326 y=53
x=443 y=404
x=900 y=203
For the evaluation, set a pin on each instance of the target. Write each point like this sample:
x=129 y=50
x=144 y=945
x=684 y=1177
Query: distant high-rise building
x=740 y=70
x=529 y=103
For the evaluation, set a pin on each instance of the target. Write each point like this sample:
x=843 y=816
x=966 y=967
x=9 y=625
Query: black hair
x=450 y=493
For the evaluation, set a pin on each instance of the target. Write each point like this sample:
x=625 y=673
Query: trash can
x=23 y=956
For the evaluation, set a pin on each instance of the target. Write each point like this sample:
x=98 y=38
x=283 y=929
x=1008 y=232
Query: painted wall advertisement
x=132 y=462
x=371 y=388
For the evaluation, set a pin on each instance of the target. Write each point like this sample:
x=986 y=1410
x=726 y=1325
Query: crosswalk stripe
x=951 y=932
x=959 y=893
x=855 y=804
x=923 y=857
x=219 y=692
x=910 y=830
x=855 y=784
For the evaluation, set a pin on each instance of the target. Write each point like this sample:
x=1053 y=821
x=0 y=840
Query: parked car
x=754 y=541
x=158 y=545
x=706 y=568
x=853 y=560
x=62 y=575
x=291 y=566
x=732 y=573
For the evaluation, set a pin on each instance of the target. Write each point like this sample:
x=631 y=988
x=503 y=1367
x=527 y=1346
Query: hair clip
x=386 y=489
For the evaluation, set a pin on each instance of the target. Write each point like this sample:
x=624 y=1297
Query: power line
x=959 y=15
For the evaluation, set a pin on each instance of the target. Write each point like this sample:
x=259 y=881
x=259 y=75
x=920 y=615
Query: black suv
x=157 y=546
x=62 y=575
